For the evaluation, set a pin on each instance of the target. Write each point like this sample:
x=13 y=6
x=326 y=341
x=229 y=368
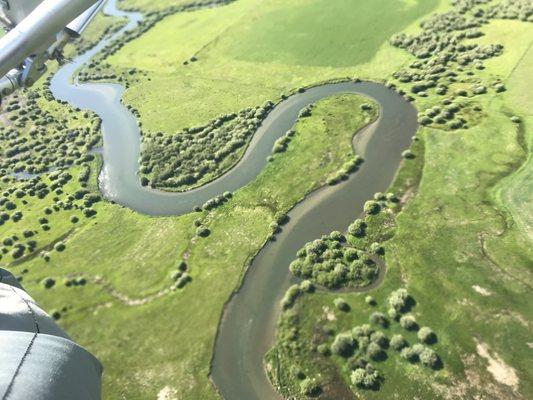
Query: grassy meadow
x=292 y=46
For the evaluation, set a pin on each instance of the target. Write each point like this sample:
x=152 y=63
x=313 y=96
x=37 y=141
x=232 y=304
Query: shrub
x=370 y=300
x=362 y=330
x=479 y=89
x=309 y=387
x=365 y=378
x=55 y=314
x=399 y=300
x=323 y=349
x=290 y=296
x=182 y=281
x=372 y=207
x=408 y=322
x=48 y=283
x=398 y=342
x=380 y=339
x=202 y=231
x=426 y=335
x=18 y=251
x=379 y=318
x=376 y=248
x=351 y=254
x=408 y=154
x=429 y=358
x=307 y=286
x=297 y=372
x=80 y=281
x=59 y=246
x=409 y=354
x=374 y=351
x=341 y=304
x=418 y=348
x=343 y=345
x=357 y=228
x=175 y=274
x=393 y=314
x=74 y=219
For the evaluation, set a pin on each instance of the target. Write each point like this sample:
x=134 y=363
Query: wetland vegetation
x=454 y=229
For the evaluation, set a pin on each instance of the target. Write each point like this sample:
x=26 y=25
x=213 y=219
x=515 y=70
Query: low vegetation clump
x=355 y=349
x=447 y=58
x=331 y=263
x=365 y=378
x=37 y=142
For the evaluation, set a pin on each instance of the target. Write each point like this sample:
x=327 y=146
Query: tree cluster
x=181 y=160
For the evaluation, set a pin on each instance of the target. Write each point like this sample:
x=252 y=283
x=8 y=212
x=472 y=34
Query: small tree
x=309 y=387
x=399 y=300
x=379 y=318
x=408 y=322
x=343 y=345
x=429 y=358
x=409 y=354
x=397 y=342
x=341 y=304
x=380 y=339
x=426 y=335
x=370 y=300
x=374 y=351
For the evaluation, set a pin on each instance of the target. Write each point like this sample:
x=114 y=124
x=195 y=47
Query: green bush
x=48 y=283
x=426 y=335
x=323 y=349
x=358 y=227
x=290 y=296
x=370 y=300
x=309 y=387
x=409 y=354
x=372 y=207
x=362 y=330
x=400 y=300
x=398 y=342
x=380 y=339
x=202 y=231
x=408 y=322
x=375 y=352
x=429 y=358
x=59 y=246
x=365 y=378
x=343 y=345
x=379 y=318
x=341 y=304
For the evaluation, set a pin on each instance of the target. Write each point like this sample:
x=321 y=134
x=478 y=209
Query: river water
x=247 y=326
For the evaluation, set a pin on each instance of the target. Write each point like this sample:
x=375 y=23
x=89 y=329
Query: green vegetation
x=450 y=241
x=221 y=41
x=451 y=231
x=136 y=267
x=196 y=155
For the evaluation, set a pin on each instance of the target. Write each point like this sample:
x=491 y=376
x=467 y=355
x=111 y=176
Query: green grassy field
x=229 y=77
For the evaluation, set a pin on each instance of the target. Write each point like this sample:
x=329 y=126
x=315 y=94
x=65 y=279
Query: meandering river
x=247 y=327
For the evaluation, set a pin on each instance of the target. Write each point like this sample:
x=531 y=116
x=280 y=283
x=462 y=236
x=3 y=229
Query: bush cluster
x=365 y=378
x=446 y=60
x=50 y=143
x=330 y=263
x=193 y=155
